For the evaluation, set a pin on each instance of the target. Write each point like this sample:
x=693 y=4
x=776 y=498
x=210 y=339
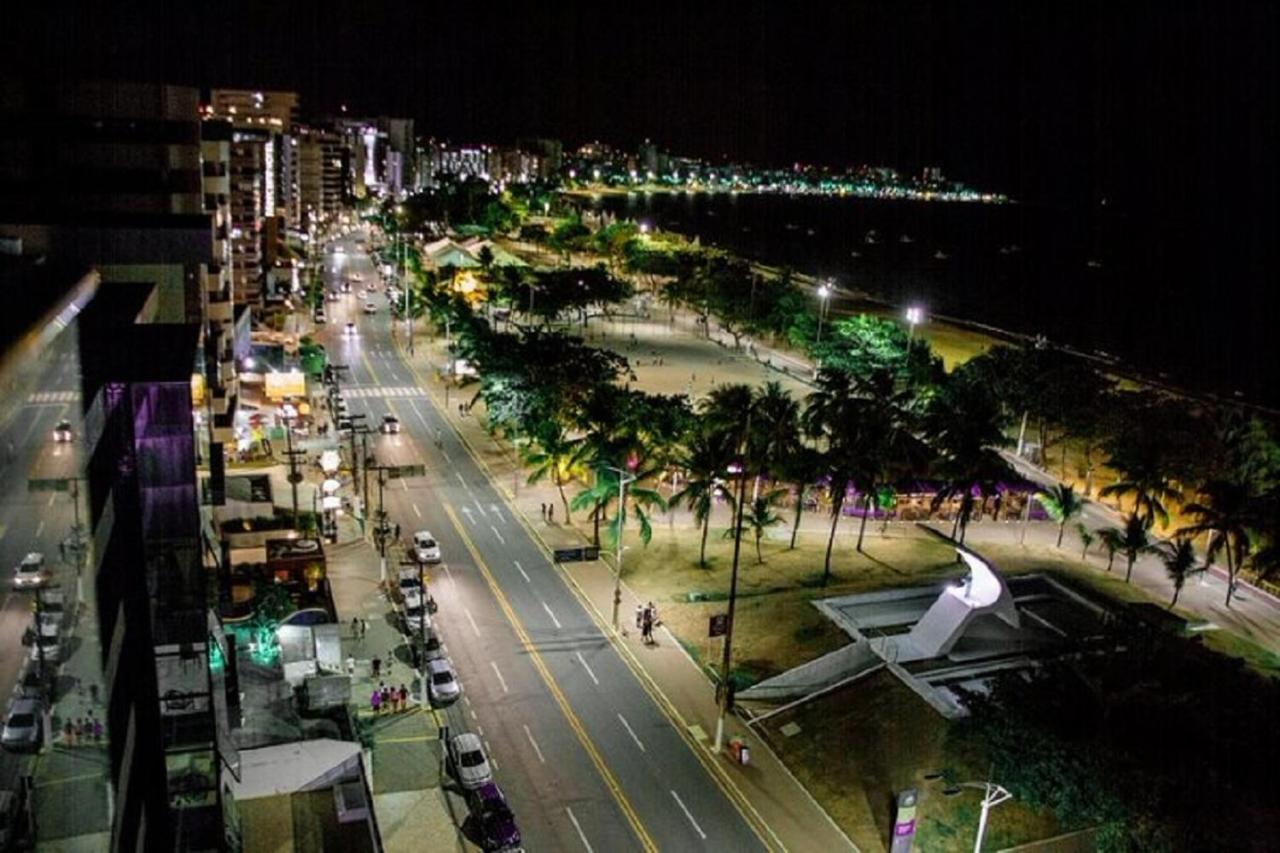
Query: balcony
x=220 y=311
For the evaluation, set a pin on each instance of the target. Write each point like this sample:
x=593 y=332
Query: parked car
x=31 y=572
x=468 y=762
x=413 y=615
x=410 y=583
x=48 y=647
x=425 y=547
x=443 y=684
x=390 y=425
x=362 y=294
x=432 y=649
x=320 y=318
x=22 y=728
x=333 y=296
x=497 y=825
x=11 y=819
x=370 y=308
x=62 y=432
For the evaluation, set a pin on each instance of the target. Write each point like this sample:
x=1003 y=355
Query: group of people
x=646 y=618
x=464 y=409
x=84 y=729
x=390 y=699
x=548 y=512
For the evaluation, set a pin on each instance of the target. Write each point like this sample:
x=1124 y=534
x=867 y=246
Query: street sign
x=585 y=553
x=718 y=625
x=904 y=825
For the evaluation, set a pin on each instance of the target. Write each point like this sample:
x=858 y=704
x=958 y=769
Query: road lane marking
x=466 y=510
x=458 y=474
x=498 y=673
x=585 y=843
x=479 y=508
x=498 y=513
x=40 y=529
x=472 y=620
x=416 y=511
x=552 y=615
x=496 y=533
x=696 y=828
x=51 y=497
x=631 y=732
x=533 y=743
x=520 y=569
x=587 y=667
x=557 y=695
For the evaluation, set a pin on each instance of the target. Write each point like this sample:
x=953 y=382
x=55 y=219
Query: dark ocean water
x=1168 y=299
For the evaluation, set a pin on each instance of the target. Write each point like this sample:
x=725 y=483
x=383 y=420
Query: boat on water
x=940 y=255
x=905 y=238
x=810 y=232
x=871 y=237
x=1093 y=264
x=791 y=226
x=855 y=254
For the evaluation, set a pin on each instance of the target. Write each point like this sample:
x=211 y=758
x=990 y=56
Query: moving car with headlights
x=441 y=682
x=497 y=825
x=390 y=425
x=370 y=308
x=62 y=432
x=31 y=572
x=468 y=762
x=425 y=547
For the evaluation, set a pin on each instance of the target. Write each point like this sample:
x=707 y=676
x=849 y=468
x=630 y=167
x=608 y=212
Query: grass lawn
x=859 y=746
x=777 y=627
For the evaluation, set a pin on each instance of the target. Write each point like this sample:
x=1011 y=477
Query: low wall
x=818 y=674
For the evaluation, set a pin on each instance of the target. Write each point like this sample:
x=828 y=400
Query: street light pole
x=623 y=479
x=726 y=686
x=824 y=292
x=992 y=796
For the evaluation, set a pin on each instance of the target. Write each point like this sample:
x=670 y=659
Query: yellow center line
x=77 y=778
x=606 y=774
x=414 y=739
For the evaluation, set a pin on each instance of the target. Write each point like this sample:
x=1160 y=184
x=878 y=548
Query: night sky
x=1122 y=100
x=1167 y=110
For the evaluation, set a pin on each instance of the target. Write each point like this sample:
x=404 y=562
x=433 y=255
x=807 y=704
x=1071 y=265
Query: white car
x=411 y=587
x=390 y=425
x=31 y=572
x=48 y=647
x=62 y=432
x=425 y=547
x=468 y=762
x=349 y=330
x=362 y=294
x=442 y=683
x=370 y=308
x=22 y=728
x=432 y=650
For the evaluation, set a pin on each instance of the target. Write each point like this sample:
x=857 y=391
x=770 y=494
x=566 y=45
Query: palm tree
x=1134 y=541
x=775 y=430
x=759 y=515
x=707 y=456
x=1112 y=542
x=1151 y=489
x=553 y=454
x=1063 y=504
x=830 y=415
x=1179 y=558
x=1225 y=512
x=1086 y=539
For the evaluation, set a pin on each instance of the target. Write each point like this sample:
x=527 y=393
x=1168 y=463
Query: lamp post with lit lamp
x=625 y=477
x=915 y=316
x=824 y=294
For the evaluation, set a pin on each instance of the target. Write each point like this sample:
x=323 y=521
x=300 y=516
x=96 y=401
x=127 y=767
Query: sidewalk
x=405 y=761
x=766 y=791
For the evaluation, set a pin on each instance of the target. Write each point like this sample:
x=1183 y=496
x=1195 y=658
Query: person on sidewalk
x=639 y=616
x=377 y=667
x=355 y=628
x=653 y=614
x=404 y=697
x=646 y=631
x=375 y=701
x=387 y=701
x=97 y=731
x=69 y=733
x=551 y=513
x=542 y=511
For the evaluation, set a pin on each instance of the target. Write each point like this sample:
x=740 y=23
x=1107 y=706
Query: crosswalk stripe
x=40 y=398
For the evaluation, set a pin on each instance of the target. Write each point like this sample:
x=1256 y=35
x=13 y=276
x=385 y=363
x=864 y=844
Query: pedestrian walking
x=639 y=616
x=364 y=628
x=551 y=513
x=355 y=627
x=69 y=734
x=375 y=701
x=97 y=731
x=377 y=667
x=386 y=698
x=542 y=511
x=646 y=630
x=404 y=697
x=653 y=613
x=82 y=729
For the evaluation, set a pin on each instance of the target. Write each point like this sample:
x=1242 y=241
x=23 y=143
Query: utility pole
x=726 y=691
x=295 y=476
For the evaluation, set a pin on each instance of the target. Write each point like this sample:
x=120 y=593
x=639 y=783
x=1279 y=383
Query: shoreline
x=984 y=334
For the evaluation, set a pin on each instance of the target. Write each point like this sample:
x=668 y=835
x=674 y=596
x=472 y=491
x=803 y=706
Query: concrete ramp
x=818 y=674
x=983 y=591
